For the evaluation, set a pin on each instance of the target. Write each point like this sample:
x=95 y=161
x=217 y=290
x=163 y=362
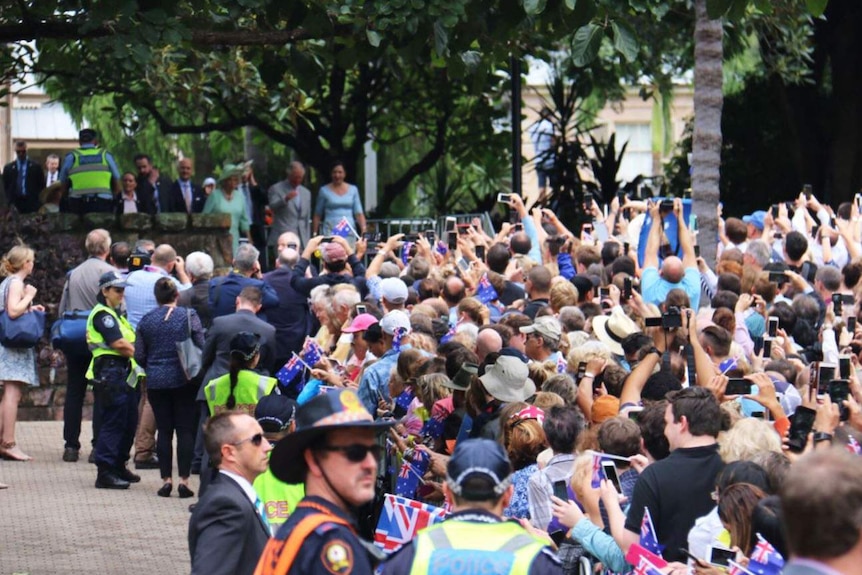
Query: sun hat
x=508 y=380
x=613 y=329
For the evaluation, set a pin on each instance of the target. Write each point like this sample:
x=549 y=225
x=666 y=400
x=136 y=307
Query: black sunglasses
x=255 y=440
x=356 y=452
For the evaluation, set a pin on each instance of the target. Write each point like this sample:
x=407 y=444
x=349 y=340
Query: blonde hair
x=588 y=350
x=563 y=293
x=523 y=439
x=581 y=471
x=15 y=259
x=746 y=438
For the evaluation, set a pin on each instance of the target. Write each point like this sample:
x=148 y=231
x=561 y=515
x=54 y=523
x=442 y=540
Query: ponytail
x=236 y=364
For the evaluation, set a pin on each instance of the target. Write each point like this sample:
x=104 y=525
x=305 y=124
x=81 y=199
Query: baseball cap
x=508 y=380
x=208 y=182
x=245 y=344
x=755 y=219
x=360 y=323
x=332 y=252
x=111 y=279
x=275 y=413
x=478 y=470
x=393 y=290
x=547 y=326
x=393 y=320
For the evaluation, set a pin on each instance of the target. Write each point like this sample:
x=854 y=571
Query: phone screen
x=844 y=366
x=826 y=373
x=360 y=308
x=610 y=471
x=453 y=241
x=627 y=288
x=720 y=556
x=773 y=326
x=480 y=252
x=767 y=348
x=561 y=490
x=737 y=386
x=803 y=422
x=839 y=391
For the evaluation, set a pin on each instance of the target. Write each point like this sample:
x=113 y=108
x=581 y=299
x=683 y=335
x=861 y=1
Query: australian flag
x=649 y=538
x=432 y=428
x=311 y=352
x=342 y=229
x=291 y=369
x=485 y=292
x=598 y=474
x=402 y=402
x=765 y=560
x=414 y=466
x=399 y=334
x=401 y=519
x=645 y=567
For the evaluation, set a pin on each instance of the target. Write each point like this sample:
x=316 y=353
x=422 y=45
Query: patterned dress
x=519 y=507
x=16 y=364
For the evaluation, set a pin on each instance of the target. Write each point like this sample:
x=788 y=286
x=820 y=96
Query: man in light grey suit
x=228 y=528
x=290 y=203
x=821 y=500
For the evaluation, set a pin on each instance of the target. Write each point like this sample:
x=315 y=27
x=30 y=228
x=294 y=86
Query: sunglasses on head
x=255 y=440
x=356 y=452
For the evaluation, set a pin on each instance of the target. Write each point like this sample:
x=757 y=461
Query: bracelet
x=822 y=436
x=590 y=375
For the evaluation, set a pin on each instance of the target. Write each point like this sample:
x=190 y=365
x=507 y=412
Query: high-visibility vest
x=500 y=548
x=90 y=172
x=279 y=498
x=250 y=388
x=99 y=347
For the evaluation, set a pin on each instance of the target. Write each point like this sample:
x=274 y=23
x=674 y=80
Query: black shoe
x=70 y=455
x=165 y=490
x=110 y=480
x=184 y=492
x=151 y=463
x=127 y=475
x=92 y=458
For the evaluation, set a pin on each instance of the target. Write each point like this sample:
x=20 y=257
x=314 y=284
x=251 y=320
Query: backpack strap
x=278 y=555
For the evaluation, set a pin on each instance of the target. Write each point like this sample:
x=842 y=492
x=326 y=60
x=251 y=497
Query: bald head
x=520 y=243
x=287 y=238
x=672 y=270
x=488 y=341
x=164 y=256
x=453 y=290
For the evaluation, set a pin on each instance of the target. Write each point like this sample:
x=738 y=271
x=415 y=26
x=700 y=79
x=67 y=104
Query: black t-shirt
x=107 y=326
x=511 y=293
x=677 y=490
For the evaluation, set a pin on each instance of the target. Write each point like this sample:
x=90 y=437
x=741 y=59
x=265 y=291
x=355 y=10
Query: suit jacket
x=198 y=298
x=176 y=203
x=291 y=318
x=226 y=534
x=216 y=354
x=35 y=183
x=149 y=191
x=145 y=203
x=286 y=215
x=224 y=291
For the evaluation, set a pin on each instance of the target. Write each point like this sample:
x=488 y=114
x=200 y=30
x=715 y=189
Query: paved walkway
x=54 y=522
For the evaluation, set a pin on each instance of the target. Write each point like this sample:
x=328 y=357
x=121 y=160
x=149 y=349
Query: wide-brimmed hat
x=508 y=380
x=462 y=378
x=613 y=329
x=229 y=171
x=332 y=410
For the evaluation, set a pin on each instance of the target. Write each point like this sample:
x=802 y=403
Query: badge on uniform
x=108 y=321
x=337 y=557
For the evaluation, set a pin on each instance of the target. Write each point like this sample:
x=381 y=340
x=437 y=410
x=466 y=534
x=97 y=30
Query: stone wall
x=198 y=232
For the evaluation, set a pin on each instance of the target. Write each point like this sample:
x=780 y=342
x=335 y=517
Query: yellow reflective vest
x=99 y=347
x=90 y=172
x=250 y=387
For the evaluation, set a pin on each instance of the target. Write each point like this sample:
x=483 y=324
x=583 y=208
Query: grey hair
x=759 y=250
x=245 y=257
x=200 y=265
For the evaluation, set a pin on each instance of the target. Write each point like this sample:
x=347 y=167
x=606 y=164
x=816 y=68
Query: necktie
x=258 y=504
x=22 y=179
x=187 y=196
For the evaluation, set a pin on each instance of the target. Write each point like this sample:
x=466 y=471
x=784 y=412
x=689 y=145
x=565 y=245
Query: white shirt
x=130 y=205
x=243 y=482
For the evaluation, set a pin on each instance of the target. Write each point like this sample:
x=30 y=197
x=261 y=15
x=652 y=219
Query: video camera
x=671 y=319
x=139 y=259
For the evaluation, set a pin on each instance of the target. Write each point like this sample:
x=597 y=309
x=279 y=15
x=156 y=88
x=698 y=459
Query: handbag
x=191 y=356
x=24 y=331
x=69 y=333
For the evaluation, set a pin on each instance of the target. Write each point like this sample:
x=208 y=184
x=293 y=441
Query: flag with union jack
x=413 y=467
x=397 y=337
x=401 y=519
x=646 y=567
x=649 y=538
x=311 y=352
x=342 y=229
x=432 y=428
x=598 y=474
x=485 y=292
x=765 y=560
x=290 y=370
x=853 y=446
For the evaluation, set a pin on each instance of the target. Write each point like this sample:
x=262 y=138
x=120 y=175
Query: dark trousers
x=87 y=205
x=76 y=390
x=176 y=411
x=119 y=411
x=197 y=458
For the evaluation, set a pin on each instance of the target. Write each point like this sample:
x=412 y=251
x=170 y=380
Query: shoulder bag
x=23 y=332
x=190 y=354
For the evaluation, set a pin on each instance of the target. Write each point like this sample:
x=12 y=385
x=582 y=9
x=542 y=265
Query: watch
x=822 y=436
x=654 y=350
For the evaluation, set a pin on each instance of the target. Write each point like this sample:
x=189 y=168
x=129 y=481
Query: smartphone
x=803 y=422
x=480 y=252
x=807 y=189
x=293 y=245
x=463 y=229
x=517 y=227
x=777 y=236
x=561 y=489
x=697 y=560
x=463 y=264
x=851 y=324
x=634 y=413
x=737 y=386
x=451 y=222
x=326 y=240
x=587 y=228
x=774 y=211
x=610 y=471
x=504 y=198
x=825 y=374
x=360 y=308
x=839 y=391
x=604 y=292
x=692 y=223
x=844 y=366
x=582 y=370
x=453 y=241
x=767 y=348
x=431 y=236
x=697 y=251
x=625 y=248
x=777 y=277
x=773 y=326
x=627 y=288
x=720 y=556
x=837 y=302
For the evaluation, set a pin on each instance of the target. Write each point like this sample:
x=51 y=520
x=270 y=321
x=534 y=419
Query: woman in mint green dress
x=228 y=199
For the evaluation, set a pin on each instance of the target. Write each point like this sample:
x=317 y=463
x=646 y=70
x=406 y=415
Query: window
x=638 y=159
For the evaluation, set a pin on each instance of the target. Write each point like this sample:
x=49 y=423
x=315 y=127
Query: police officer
x=115 y=376
x=478 y=483
x=335 y=451
x=90 y=176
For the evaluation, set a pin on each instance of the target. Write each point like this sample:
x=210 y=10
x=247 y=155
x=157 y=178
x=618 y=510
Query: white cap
x=393 y=320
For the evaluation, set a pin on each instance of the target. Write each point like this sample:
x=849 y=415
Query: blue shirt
x=331 y=207
x=140 y=298
x=375 y=381
x=654 y=288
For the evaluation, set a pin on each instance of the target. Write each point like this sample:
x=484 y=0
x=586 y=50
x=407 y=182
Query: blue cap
x=755 y=219
x=479 y=470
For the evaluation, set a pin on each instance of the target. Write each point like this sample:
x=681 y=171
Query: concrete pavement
x=53 y=521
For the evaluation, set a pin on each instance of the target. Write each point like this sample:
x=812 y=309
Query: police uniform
x=250 y=388
x=115 y=379
x=88 y=172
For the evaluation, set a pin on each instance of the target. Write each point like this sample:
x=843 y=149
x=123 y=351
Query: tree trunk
x=706 y=141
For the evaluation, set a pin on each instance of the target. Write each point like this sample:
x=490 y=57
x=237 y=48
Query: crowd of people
x=567 y=403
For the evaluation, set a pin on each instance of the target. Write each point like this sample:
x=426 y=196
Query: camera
x=139 y=259
x=671 y=319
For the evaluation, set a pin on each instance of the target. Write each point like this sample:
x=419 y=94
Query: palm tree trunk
x=706 y=142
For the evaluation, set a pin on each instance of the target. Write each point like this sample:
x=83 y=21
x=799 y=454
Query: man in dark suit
x=228 y=528
x=291 y=317
x=184 y=195
x=151 y=183
x=216 y=355
x=245 y=273
x=23 y=179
